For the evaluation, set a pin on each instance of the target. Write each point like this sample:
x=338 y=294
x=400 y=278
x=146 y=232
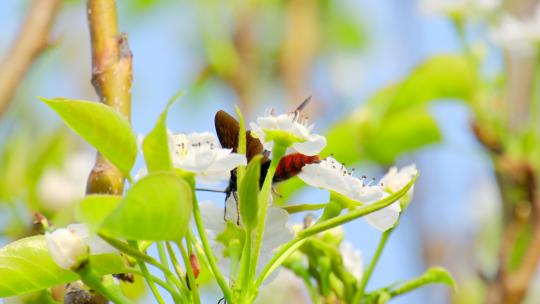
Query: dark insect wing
x=227 y=129
x=254 y=147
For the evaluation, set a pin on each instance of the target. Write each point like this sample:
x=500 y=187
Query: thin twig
x=32 y=39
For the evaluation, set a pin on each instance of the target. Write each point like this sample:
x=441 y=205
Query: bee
x=228 y=128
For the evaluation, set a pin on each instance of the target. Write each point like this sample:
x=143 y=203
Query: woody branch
x=111 y=78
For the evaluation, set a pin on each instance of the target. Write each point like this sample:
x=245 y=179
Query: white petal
x=312 y=146
x=65 y=247
x=396 y=179
x=364 y=194
x=328 y=174
x=212 y=217
x=213 y=177
x=352 y=259
x=202 y=138
x=227 y=161
x=385 y=218
x=95 y=243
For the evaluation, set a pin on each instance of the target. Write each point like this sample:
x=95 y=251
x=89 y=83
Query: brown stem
x=32 y=39
x=111 y=78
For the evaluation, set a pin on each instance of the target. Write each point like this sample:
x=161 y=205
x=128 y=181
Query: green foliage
x=157 y=207
x=156 y=144
x=403 y=133
x=26 y=266
x=93 y=209
x=102 y=127
x=247 y=192
x=231 y=235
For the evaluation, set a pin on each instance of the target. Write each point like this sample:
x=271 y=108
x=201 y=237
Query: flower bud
x=66 y=247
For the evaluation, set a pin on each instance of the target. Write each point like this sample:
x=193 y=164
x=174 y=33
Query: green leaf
x=399 y=134
x=156 y=144
x=157 y=207
x=442 y=76
x=93 y=209
x=26 y=266
x=101 y=126
x=348 y=132
x=248 y=193
x=431 y=276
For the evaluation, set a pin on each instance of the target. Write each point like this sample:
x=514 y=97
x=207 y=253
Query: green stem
x=147 y=275
x=157 y=280
x=245 y=261
x=264 y=197
x=93 y=280
x=208 y=251
x=174 y=260
x=288 y=248
x=366 y=276
x=133 y=251
x=191 y=277
x=165 y=263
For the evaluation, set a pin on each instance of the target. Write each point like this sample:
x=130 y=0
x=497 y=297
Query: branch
x=32 y=39
x=111 y=78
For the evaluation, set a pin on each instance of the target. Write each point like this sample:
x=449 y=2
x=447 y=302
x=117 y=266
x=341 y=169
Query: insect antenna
x=303 y=104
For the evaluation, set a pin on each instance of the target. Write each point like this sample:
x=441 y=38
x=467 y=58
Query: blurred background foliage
x=390 y=84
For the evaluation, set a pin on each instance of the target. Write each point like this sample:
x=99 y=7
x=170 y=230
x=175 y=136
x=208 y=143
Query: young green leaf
x=248 y=193
x=102 y=127
x=400 y=133
x=431 y=276
x=156 y=144
x=26 y=266
x=93 y=209
x=157 y=207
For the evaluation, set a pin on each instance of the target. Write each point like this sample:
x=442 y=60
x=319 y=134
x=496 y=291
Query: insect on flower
x=228 y=128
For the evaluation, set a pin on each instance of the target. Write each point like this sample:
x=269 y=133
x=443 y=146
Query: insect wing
x=227 y=129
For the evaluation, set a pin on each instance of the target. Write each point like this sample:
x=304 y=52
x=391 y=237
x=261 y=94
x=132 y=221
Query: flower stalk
x=208 y=250
x=94 y=281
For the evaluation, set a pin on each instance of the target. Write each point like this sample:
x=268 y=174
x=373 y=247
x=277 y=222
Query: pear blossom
x=202 y=154
x=71 y=245
x=332 y=175
x=59 y=188
x=519 y=36
x=290 y=124
x=352 y=259
x=395 y=178
x=276 y=231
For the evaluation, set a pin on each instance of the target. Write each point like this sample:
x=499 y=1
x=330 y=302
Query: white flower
x=202 y=154
x=352 y=259
x=276 y=231
x=521 y=37
x=292 y=124
x=68 y=246
x=396 y=179
x=332 y=175
x=61 y=187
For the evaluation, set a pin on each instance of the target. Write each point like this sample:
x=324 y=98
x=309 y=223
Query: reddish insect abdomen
x=292 y=164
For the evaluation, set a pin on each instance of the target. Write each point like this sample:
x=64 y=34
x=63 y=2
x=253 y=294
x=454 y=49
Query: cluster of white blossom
x=201 y=154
